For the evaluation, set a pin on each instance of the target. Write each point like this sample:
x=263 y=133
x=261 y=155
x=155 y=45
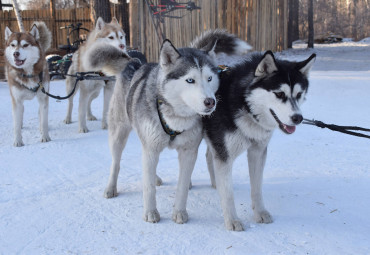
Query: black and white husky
x=254 y=98
x=164 y=103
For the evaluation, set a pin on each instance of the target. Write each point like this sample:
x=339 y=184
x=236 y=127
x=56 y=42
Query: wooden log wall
x=262 y=23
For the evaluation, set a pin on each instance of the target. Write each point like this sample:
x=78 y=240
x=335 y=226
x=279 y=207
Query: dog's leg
x=82 y=108
x=223 y=176
x=211 y=168
x=70 y=82
x=256 y=162
x=108 y=91
x=150 y=160
x=117 y=142
x=44 y=116
x=187 y=158
x=18 y=110
x=94 y=95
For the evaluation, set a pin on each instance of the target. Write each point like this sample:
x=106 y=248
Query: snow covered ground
x=316 y=184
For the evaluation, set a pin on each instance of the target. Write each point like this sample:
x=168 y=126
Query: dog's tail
x=220 y=41
x=110 y=60
x=45 y=35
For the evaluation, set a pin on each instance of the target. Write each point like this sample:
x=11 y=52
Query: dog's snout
x=16 y=54
x=121 y=46
x=297 y=118
x=209 y=102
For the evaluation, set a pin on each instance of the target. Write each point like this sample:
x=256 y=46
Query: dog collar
x=221 y=69
x=30 y=76
x=166 y=128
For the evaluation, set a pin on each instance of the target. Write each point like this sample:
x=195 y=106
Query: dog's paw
x=263 y=217
x=45 y=139
x=67 y=121
x=109 y=192
x=152 y=216
x=234 y=225
x=180 y=217
x=91 y=118
x=83 y=130
x=158 y=181
x=18 y=143
x=104 y=125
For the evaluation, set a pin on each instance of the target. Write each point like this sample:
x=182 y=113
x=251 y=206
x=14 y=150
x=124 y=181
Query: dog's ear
x=114 y=21
x=168 y=55
x=35 y=32
x=100 y=23
x=8 y=33
x=212 y=52
x=267 y=65
x=305 y=66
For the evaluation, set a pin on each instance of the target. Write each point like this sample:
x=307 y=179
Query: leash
x=80 y=76
x=342 y=129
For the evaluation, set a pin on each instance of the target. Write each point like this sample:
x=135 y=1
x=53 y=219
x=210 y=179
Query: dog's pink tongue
x=289 y=129
x=18 y=62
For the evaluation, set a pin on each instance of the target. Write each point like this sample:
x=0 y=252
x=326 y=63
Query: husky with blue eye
x=27 y=71
x=255 y=97
x=164 y=103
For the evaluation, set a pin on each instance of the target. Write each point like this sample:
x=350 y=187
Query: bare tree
x=310 y=24
x=293 y=29
x=100 y=8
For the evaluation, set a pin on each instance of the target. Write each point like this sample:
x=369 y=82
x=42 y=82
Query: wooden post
x=134 y=24
x=54 y=28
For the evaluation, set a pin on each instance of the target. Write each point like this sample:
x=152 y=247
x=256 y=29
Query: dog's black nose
x=209 y=102
x=297 y=118
x=16 y=54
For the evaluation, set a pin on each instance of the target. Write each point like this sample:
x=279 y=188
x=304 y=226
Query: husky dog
x=109 y=33
x=26 y=71
x=164 y=103
x=255 y=97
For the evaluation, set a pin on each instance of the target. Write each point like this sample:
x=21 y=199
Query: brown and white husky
x=26 y=71
x=110 y=33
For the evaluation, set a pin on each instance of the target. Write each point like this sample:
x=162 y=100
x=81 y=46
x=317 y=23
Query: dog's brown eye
x=299 y=95
x=210 y=78
x=111 y=37
x=13 y=45
x=25 y=46
x=280 y=95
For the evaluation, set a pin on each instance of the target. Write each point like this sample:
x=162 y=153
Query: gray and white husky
x=164 y=103
x=255 y=97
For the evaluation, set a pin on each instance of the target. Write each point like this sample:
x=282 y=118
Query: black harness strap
x=342 y=129
x=80 y=76
x=166 y=128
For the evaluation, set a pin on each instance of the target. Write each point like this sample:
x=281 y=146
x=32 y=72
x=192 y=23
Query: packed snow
x=316 y=181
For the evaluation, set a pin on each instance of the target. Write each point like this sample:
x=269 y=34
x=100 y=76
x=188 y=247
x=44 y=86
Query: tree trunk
x=124 y=18
x=100 y=8
x=354 y=16
x=19 y=17
x=310 y=24
x=293 y=29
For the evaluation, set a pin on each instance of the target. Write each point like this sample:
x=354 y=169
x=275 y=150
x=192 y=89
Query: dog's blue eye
x=280 y=95
x=190 y=80
x=210 y=78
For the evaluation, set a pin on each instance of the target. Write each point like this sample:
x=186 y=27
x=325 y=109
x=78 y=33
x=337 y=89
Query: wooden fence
x=262 y=23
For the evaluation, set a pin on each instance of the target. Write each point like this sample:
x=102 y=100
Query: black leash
x=342 y=129
x=80 y=76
